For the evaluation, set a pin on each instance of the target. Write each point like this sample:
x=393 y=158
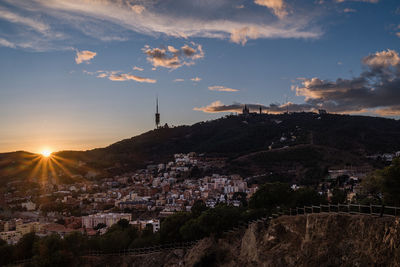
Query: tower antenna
x=157 y=114
x=287 y=106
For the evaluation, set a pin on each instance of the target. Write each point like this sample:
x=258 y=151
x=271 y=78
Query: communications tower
x=157 y=115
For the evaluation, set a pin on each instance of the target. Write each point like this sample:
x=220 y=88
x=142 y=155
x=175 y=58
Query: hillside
x=305 y=240
x=341 y=139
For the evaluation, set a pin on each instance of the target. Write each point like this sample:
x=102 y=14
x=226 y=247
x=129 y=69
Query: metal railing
x=374 y=210
x=354 y=209
x=143 y=250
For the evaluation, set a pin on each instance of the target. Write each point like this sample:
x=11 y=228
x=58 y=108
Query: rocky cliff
x=305 y=240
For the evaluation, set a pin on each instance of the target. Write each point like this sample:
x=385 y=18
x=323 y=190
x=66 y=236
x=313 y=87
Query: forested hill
x=237 y=136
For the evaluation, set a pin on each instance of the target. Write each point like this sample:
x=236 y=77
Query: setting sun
x=46 y=153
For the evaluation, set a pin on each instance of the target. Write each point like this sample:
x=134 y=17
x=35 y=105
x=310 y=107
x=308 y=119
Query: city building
x=108 y=219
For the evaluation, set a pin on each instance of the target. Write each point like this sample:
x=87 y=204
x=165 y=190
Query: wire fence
x=374 y=210
x=354 y=209
x=143 y=250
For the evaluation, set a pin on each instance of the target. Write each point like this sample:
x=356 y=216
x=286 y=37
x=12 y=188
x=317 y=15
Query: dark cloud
x=376 y=89
x=218 y=106
x=173 y=58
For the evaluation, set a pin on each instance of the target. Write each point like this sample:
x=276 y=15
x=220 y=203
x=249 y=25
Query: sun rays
x=44 y=168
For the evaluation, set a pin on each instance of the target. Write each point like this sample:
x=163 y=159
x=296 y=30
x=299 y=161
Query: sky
x=81 y=74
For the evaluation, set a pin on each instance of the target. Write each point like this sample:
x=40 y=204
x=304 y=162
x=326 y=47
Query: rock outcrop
x=304 y=240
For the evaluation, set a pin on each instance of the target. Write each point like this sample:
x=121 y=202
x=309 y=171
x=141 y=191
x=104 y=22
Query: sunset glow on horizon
x=46 y=153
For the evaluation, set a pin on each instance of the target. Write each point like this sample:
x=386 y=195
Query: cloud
x=138 y=9
x=390 y=111
x=220 y=88
x=172 y=49
x=377 y=89
x=138 y=68
x=218 y=106
x=6 y=43
x=117 y=76
x=173 y=58
x=179 y=80
x=110 y=20
x=196 y=79
x=102 y=75
x=125 y=77
x=21 y=29
x=277 y=7
x=383 y=59
x=28 y=22
x=84 y=56
x=240 y=36
x=349 y=10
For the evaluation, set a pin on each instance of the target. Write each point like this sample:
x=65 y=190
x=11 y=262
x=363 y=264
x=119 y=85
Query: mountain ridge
x=235 y=136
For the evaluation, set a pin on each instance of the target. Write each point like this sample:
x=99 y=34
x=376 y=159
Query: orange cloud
x=277 y=7
x=173 y=58
x=84 y=56
x=125 y=77
x=220 y=88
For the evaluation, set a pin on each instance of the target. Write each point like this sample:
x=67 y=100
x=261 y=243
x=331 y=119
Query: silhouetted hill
x=237 y=136
x=234 y=136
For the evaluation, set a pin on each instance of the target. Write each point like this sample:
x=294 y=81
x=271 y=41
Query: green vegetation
x=182 y=226
x=340 y=139
x=383 y=186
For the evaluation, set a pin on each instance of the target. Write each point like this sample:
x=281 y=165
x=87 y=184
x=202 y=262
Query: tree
x=123 y=223
x=24 y=247
x=169 y=230
x=390 y=177
x=384 y=185
x=219 y=219
x=6 y=251
x=76 y=243
x=313 y=176
x=241 y=196
x=306 y=196
x=341 y=179
x=100 y=226
x=270 y=195
x=198 y=207
x=338 y=196
x=372 y=187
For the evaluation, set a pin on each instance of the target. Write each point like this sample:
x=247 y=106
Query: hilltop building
x=246 y=110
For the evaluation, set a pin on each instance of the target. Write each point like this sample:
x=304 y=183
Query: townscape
x=143 y=197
